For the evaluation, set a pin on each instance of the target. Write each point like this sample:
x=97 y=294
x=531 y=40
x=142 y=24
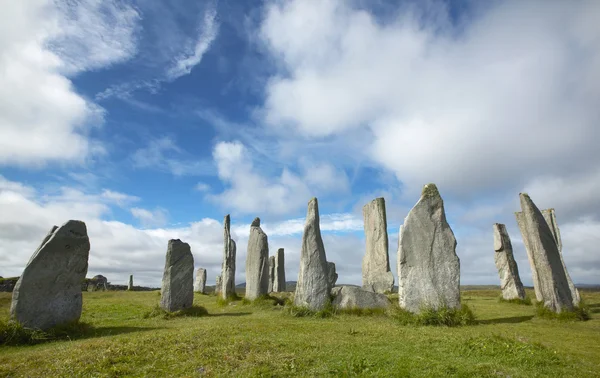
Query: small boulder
x=348 y=297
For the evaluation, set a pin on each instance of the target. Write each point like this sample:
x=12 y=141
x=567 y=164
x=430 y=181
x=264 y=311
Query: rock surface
x=376 y=273
x=313 y=286
x=48 y=293
x=228 y=270
x=178 y=278
x=332 y=275
x=348 y=297
x=218 y=284
x=200 y=284
x=271 y=273
x=550 y=217
x=510 y=282
x=257 y=262
x=130 y=284
x=550 y=280
x=279 y=280
x=428 y=267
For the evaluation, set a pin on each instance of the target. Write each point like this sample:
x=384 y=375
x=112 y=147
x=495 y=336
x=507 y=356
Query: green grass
x=582 y=312
x=518 y=301
x=259 y=339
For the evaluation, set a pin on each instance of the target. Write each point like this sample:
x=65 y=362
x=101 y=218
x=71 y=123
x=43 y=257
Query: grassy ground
x=246 y=340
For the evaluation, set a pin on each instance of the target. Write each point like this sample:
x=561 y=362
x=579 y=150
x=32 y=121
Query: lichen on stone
x=430 y=190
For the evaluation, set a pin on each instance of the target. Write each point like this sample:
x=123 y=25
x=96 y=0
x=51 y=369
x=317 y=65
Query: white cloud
x=120 y=199
x=150 y=218
x=202 y=187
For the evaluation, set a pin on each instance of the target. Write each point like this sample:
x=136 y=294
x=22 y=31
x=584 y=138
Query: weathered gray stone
x=428 y=267
x=313 y=286
x=348 y=297
x=218 y=285
x=332 y=275
x=510 y=282
x=200 y=284
x=550 y=280
x=130 y=284
x=257 y=262
x=376 y=273
x=271 y=273
x=48 y=293
x=178 y=278
x=550 y=217
x=279 y=280
x=228 y=270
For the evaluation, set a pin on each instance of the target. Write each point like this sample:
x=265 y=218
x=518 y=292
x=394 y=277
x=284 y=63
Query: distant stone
x=428 y=267
x=130 y=284
x=178 y=277
x=348 y=297
x=376 y=273
x=228 y=271
x=313 y=286
x=200 y=284
x=48 y=293
x=279 y=280
x=257 y=262
x=218 y=284
x=550 y=217
x=510 y=282
x=548 y=271
x=332 y=275
x=271 y=273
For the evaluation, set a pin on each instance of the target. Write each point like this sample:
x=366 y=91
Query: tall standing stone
x=218 y=285
x=257 y=262
x=313 y=287
x=550 y=217
x=228 y=271
x=332 y=275
x=550 y=279
x=510 y=282
x=428 y=267
x=48 y=293
x=178 y=278
x=200 y=284
x=271 y=273
x=130 y=284
x=376 y=273
x=279 y=280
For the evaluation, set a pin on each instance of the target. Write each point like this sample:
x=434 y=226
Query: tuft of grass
x=519 y=301
x=443 y=316
x=159 y=312
x=13 y=333
x=582 y=313
x=357 y=311
x=264 y=301
x=302 y=312
x=222 y=302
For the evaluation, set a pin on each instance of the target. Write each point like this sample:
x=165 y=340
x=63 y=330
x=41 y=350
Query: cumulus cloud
x=150 y=218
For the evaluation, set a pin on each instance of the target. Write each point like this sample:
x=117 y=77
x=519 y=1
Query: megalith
x=257 y=262
x=313 y=286
x=130 y=284
x=200 y=284
x=428 y=267
x=550 y=217
x=350 y=297
x=279 y=280
x=271 y=273
x=332 y=275
x=547 y=269
x=376 y=273
x=178 y=277
x=218 y=284
x=510 y=282
x=48 y=293
x=228 y=270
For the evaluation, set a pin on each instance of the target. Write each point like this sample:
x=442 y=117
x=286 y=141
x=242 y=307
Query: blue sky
x=151 y=120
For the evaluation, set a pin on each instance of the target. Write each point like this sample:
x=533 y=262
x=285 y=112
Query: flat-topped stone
x=178 y=277
x=349 y=297
x=376 y=273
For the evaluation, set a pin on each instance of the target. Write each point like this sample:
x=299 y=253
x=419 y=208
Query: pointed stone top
x=255 y=222
x=313 y=207
x=227 y=221
x=430 y=191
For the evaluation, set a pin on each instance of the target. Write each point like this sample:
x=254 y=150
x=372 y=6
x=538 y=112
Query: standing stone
x=550 y=217
x=218 y=285
x=313 y=287
x=550 y=279
x=228 y=271
x=130 y=284
x=279 y=280
x=510 y=282
x=200 y=284
x=257 y=262
x=178 y=277
x=376 y=273
x=428 y=267
x=271 y=273
x=332 y=275
x=48 y=293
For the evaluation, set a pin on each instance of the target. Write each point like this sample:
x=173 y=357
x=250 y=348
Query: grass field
x=247 y=340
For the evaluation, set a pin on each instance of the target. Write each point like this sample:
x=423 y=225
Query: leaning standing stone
x=550 y=277
x=200 y=284
x=510 y=282
x=48 y=293
x=428 y=267
x=178 y=277
x=257 y=262
x=312 y=289
x=279 y=280
x=228 y=271
x=376 y=273
x=271 y=273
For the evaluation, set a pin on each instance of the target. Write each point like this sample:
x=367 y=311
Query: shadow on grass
x=232 y=314
x=514 y=319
